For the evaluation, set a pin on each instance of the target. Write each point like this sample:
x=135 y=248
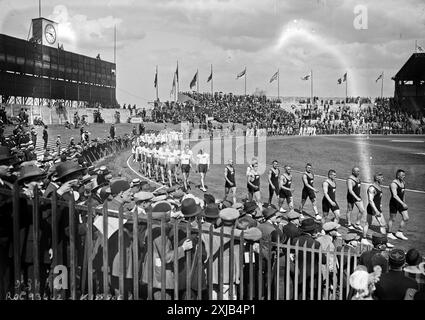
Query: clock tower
x=45 y=31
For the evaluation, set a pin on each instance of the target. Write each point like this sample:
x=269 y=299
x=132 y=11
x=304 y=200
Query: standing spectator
x=112 y=131
x=394 y=284
x=33 y=136
x=377 y=255
x=412 y=270
x=45 y=137
x=58 y=144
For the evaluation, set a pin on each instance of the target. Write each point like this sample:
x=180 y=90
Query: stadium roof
x=413 y=69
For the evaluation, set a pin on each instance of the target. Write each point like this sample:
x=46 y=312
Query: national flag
x=419 y=48
x=339 y=81
x=155 y=82
x=345 y=77
x=173 y=88
x=307 y=77
x=177 y=73
x=210 y=77
x=274 y=77
x=380 y=77
x=194 y=80
x=241 y=74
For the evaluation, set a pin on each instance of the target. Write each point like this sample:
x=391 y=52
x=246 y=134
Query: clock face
x=50 y=33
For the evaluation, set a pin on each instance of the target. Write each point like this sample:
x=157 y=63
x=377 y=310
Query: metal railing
x=144 y=258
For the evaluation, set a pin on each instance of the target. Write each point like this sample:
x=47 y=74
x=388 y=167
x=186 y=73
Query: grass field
x=376 y=153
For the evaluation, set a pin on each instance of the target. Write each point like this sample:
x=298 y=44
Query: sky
x=330 y=37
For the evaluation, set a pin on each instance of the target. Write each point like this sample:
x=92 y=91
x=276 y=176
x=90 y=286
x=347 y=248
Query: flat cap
x=143 y=196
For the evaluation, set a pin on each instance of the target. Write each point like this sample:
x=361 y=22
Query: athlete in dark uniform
x=329 y=196
x=274 y=180
x=398 y=205
x=374 y=207
x=230 y=181
x=354 y=199
x=309 y=191
x=253 y=184
x=285 y=189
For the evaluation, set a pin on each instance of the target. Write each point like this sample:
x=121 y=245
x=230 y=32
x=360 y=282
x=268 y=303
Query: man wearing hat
x=292 y=230
x=228 y=217
x=309 y=228
x=393 y=284
x=377 y=255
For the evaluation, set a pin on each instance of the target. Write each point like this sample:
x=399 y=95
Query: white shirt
x=203 y=158
x=186 y=156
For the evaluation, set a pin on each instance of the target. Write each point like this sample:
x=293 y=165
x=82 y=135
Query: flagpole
x=382 y=86
x=156 y=87
x=197 y=81
x=311 y=89
x=245 y=80
x=346 y=88
x=278 y=76
x=178 y=80
x=115 y=58
x=416 y=46
x=212 y=79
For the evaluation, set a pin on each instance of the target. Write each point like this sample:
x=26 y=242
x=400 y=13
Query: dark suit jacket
x=307 y=239
x=291 y=231
x=393 y=285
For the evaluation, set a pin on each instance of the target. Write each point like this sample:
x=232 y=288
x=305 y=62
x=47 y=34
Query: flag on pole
x=274 y=77
x=345 y=77
x=419 y=48
x=155 y=82
x=339 y=81
x=177 y=73
x=210 y=77
x=173 y=88
x=194 y=80
x=380 y=77
x=241 y=74
x=307 y=77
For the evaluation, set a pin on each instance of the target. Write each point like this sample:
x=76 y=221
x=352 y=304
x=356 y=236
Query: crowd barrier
x=142 y=259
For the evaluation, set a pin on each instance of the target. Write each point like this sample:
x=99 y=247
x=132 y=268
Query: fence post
x=200 y=261
x=319 y=280
x=89 y=248
x=312 y=273
x=121 y=251
x=260 y=274
x=304 y=271
x=188 y=265
x=71 y=211
x=231 y=261
x=54 y=205
x=163 y=260
x=288 y=269
x=16 y=239
x=176 y=262
x=241 y=265
x=150 y=254
x=297 y=270
x=348 y=272
x=341 y=276
x=105 y=251
x=334 y=278
x=136 y=255
x=269 y=270
x=277 y=266
x=36 y=252
x=220 y=266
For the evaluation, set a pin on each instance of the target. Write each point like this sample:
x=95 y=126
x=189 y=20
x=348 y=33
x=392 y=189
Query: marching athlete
x=139 y=155
x=203 y=166
x=329 y=197
x=285 y=189
x=149 y=160
x=374 y=207
x=354 y=199
x=171 y=164
x=398 y=205
x=253 y=184
x=309 y=191
x=248 y=171
x=230 y=181
x=186 y=158
x=162 y=156
x=273 y=178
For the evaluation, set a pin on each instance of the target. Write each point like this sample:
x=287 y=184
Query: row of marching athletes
x=161 y=160
x=280 y=184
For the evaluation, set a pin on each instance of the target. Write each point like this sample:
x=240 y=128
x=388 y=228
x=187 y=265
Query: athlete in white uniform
x=203 y=166
x=186 y=158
